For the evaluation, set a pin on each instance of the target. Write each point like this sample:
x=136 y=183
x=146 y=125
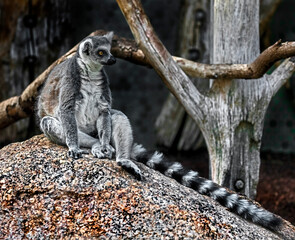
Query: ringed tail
x=191 y=179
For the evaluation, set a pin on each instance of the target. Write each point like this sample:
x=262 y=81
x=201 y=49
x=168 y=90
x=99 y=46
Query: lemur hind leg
x=52 y=128
x=122 y=140
x=103 y=149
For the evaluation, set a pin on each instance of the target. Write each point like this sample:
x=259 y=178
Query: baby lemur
x=74 y=108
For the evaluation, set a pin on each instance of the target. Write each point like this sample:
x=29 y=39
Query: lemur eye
x=100 y=53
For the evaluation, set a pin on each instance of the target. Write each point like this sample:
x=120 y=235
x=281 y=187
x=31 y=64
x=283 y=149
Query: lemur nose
x=111 y=60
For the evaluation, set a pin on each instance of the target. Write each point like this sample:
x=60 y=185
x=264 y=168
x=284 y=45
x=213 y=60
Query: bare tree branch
x=161 y=60
x=19 y=107
x=128 y=50
x=254 y=70
x=281 y=74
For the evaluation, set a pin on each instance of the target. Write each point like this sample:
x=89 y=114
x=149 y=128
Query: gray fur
x=75 y=106
x=189 y=177
x=155 y=159
x=175 y=167
x=206 y=186
x=219 y=193
x=232 y=200
x=137 y=149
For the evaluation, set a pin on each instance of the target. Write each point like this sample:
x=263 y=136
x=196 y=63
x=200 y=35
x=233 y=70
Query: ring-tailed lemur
x=74 y=106
x=75 y=109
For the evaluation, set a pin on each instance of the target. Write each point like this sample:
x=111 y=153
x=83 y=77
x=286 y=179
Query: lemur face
x=97 y=50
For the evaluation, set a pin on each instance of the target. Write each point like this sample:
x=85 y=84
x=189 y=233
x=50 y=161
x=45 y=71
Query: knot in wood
x=239 y=185
x=194 y=54
x=200 y=16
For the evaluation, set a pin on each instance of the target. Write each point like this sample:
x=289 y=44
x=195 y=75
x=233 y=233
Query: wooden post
x=234 y=127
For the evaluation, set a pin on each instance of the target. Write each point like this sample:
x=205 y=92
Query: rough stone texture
x=46 y=195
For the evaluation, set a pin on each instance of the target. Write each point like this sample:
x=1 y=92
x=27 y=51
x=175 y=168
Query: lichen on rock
x=46 y=195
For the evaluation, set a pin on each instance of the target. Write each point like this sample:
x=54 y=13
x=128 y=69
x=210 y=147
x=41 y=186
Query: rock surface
x=46 y=195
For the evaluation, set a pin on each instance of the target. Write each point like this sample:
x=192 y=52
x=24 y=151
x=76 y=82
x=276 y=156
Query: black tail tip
x=275 y=224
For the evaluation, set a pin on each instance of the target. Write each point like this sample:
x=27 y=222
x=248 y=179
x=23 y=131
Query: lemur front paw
x=102 y=152
x=76 y=153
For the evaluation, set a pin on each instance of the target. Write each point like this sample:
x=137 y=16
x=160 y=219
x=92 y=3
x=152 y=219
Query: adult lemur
x=74 y=108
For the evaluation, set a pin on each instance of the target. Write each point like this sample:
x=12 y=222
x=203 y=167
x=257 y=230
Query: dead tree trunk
x=231 y=114
x=173 y=126
x=234 y=127
x=236 y=110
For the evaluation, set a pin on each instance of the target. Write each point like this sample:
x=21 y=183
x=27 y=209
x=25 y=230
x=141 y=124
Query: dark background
x=137 y=90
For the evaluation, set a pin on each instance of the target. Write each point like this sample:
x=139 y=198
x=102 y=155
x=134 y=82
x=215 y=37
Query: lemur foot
x=102 y=152
x=130 y=167
x=76 y=153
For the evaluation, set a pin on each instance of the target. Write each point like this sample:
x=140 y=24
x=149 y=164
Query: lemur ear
x=109 y=36
x=87 y=46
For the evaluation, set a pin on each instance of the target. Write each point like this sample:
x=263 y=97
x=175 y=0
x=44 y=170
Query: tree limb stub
x=254 y=70
x=18 y=107
x=127 y=49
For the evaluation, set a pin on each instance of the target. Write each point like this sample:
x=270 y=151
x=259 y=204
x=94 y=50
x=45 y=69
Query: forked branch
x=19 y=107
x=127 y=49
x=161 y=60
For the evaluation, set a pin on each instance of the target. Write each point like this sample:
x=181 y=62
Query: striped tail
x=191 y=179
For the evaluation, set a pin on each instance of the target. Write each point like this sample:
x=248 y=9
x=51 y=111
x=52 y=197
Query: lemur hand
x=102 y=151
x=76 y=153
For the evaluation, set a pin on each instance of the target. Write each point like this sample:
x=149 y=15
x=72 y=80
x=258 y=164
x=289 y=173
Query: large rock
x=45 y=194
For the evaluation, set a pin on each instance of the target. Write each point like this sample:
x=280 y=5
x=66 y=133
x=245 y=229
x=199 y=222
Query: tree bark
x=231 y=114
x=174 y=127
x=23 y=55
x=19 y=107
x=233 y=129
